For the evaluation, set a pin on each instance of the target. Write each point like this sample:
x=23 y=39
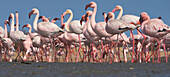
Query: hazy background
x=54 y=8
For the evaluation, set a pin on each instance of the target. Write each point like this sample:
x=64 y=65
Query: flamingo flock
x=86 y=40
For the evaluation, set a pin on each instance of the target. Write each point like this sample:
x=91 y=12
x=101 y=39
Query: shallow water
x=44 y=69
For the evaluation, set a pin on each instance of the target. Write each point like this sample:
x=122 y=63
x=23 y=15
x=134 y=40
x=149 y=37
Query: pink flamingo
x=36 y=41
x=8 y=43
x=119 y=26
x=45 y=29
x=27 y=43
x=18 y=37
x=166 y=45
x=154 y=28
x=2 y=35
x=73 y=27
x=89 y=33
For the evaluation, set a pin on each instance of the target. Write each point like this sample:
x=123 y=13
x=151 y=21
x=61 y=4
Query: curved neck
x=105 y=17
x=85 y=25
x=62 y=26
x=68 y=21
x=35 y=22
x=12 y=25
x=62 y=20
x=93 y=21
x=6 y=32
x=113 y=16
x=70 y=18
x=17 y=22
x=120 y=14
x=29 y=30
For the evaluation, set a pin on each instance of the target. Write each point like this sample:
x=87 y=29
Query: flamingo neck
x=12 y=25
x=29 y=30
x=105 y=17
x=85 y=25
x=6 y=33
x=113 y=16
x=17 y=23
x=68 y=21
x=93 y=21
x=62 y=20
x=120 y=14
x=35 y=22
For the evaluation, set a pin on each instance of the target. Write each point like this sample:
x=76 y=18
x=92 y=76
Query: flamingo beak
x=86 y=16
x=56 y=18
x=81 y=21
x=9 y=18
x=114 y=10
x=24 y=26
x=88 y=5
x=40 y=17
x=107 y=18
x=30 y=14
x=103 y=13
x=8 y=23
x=159 y=17
x=62 y=26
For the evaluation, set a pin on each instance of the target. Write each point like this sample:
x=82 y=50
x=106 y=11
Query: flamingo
x=45 y=29
x=8 y=43
x=166 y=45
x=18 y=37
x=117 y=26
x=87 y=32
x=73 y=27
x=34 y=39
x=2 y=35
x=154 y=28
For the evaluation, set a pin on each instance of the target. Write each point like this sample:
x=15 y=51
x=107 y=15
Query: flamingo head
x=88 y=13
x=82 y=19
x=34 y=11
x=92 y=5
x=143 y=17
x=16 y=13
x=7 y=22
x=117 y=8
x=103 y=13
x=10 y=16
x=55 y=19
x=63 y=26
x=68 y=11
x=27 y=25
x=159 y=17
x=41 y=17
x=110 y=15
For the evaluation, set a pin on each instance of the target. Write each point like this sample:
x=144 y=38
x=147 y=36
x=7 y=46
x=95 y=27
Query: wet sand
x=44 y=69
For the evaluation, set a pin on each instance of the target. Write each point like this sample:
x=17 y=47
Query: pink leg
x=158 y=52
x=133 y=46
x=166 y=57
x=66 y=56
x=79 y=48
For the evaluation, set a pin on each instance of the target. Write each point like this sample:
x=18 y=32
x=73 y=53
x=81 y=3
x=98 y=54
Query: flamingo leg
x=166 y=57
x=79 y=48
x=158 y=51
x=133 y=46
